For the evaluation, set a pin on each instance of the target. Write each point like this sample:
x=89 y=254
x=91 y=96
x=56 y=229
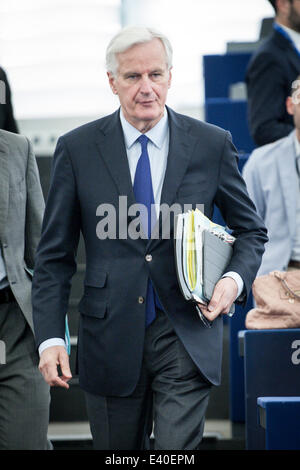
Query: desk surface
x=242 y=333
x=263 y=401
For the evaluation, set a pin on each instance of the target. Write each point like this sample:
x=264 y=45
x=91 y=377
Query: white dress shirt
x=158 y=148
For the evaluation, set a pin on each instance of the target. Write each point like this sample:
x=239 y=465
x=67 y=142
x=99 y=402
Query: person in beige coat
x=24 y=396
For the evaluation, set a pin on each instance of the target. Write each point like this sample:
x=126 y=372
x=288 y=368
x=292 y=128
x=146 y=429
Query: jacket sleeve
x=56 y=254
x=241 y=217
x=34 y=208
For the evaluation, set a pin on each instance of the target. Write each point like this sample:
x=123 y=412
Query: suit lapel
x=112 y=148
x=181 y=145
x=289 y=180
x=4 y=183
x=294 y=58
x=288 y=49
x=180 y=149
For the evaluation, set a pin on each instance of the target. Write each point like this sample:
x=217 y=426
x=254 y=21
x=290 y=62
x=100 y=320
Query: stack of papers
x=203 y=250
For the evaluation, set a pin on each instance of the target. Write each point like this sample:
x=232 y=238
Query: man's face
x=142 y=83
x=294 y=15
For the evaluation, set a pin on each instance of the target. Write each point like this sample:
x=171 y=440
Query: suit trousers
x=24 y=395
x=170 y=399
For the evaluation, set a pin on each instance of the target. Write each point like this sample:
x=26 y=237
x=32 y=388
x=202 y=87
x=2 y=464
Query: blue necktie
x=143 y=192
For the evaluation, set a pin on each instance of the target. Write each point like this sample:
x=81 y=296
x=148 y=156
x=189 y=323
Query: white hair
x=130 y=36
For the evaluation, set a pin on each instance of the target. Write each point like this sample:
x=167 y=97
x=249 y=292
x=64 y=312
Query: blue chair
x=232 y=116
x=280 y=418
x=270 y=369
x=222 y=70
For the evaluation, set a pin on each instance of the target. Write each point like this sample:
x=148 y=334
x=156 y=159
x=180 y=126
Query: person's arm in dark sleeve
x=56 y=254
x=241 y=217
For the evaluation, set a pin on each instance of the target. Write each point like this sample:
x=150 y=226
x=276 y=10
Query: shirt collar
x=157 y=134
x=294 y=35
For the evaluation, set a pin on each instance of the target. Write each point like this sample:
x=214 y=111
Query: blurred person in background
x=272 y=175
x=7 y=120
x=271 y=71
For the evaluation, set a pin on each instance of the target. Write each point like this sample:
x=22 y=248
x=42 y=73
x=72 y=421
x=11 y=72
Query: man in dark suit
x=7 y=120
x=271 y=71
x=139 y=342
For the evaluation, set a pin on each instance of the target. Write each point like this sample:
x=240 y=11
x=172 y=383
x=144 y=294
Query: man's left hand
x=224 y=295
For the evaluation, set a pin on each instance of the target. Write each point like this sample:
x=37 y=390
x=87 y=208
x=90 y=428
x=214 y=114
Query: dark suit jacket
x=7 y=120
x=91 y=167
x=271 y=71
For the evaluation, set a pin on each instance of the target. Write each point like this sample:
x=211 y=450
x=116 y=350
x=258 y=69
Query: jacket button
x=141 y=300
x=148 y=258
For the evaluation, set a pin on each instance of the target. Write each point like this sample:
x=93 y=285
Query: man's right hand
x=51 y=358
